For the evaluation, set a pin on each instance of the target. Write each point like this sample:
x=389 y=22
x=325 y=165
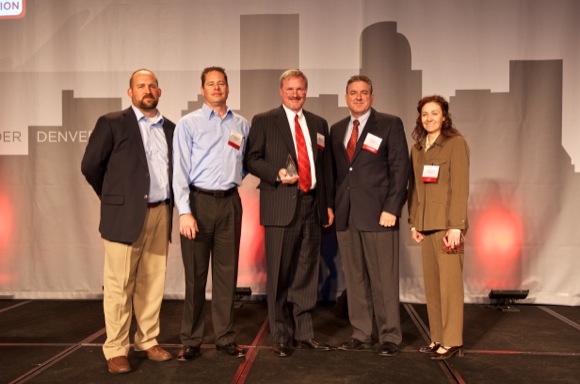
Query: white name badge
x=320 y=141
x=372 y=143
x=236 y=139
x=430 y=173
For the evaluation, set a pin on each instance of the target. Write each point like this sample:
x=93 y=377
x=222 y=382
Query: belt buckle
x=219 y=194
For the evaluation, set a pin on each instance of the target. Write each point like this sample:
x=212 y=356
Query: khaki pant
x=443 y=290
x=134 y=280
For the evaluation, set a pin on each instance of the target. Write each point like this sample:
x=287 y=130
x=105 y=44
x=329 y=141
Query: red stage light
x=498 y=239
x=251 y=264
x=6 y=221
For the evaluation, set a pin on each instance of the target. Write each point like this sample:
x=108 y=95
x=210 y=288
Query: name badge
x=320 y=141
x=235 y=140
x=430 y=173
x=372 y=143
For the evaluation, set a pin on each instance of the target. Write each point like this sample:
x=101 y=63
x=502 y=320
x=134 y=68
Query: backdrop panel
x=511 y=71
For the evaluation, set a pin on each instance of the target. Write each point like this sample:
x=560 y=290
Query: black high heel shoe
x=430 y=348
x=449 y=352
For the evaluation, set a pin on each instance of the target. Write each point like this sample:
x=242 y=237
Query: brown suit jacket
x=441 y=205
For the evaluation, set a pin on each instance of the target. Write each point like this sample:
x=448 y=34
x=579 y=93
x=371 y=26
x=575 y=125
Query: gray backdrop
x=510 y=70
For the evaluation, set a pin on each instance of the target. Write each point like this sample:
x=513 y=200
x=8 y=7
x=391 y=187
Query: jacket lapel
x=340 y=135
x=285 y=131
x=135 y=134
x=370 y=127
x=313 y=134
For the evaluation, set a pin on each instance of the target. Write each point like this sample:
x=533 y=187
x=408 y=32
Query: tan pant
x=134 y=280
x=443 y=290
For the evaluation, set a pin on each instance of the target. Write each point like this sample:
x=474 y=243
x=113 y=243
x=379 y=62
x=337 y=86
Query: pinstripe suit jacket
x=269 y=143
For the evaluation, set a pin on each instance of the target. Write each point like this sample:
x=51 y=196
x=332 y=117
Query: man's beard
x=148 y=103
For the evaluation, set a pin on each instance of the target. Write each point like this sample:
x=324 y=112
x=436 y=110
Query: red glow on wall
x=498 y=235
x=251 y=265
x=6 y=221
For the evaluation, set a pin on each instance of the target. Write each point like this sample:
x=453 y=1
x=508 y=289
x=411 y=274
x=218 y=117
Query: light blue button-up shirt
x=157 y=153
x=202 y=155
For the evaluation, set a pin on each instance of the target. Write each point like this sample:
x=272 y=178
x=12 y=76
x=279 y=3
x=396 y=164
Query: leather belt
x=158 y=203
x=217 y=194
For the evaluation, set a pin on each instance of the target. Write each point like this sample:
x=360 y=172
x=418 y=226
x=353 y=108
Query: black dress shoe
x=388 y=349
x=449 y=352
x=312 y=344
x=429 y=348
x=188 y=352
x=355 y=345
x=231 y=349
x=282 y=349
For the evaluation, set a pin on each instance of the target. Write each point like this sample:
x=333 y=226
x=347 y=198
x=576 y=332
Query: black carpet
x=49 y=341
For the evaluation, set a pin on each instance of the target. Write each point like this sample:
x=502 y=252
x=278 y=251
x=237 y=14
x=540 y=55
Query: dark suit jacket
x=269 y=143
x=373 y=182
x=115 y=165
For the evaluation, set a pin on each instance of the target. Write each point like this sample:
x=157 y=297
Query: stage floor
x=48 y=341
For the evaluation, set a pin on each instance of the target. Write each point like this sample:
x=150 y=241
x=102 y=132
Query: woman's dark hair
x=447 y=129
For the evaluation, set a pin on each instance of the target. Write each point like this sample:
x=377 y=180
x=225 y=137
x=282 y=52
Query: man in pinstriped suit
x=292 y=217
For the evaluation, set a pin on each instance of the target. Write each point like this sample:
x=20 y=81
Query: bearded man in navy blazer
x=128 y=162
x=371 y=161
x=293 y=209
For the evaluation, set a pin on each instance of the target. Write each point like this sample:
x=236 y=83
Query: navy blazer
x=373 y=182
x=115 y=165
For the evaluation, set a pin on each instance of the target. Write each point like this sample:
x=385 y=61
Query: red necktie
x=351 y=145
x=304 y=176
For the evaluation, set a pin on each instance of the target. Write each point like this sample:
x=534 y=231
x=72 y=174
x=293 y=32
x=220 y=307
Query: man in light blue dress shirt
x=209 y=146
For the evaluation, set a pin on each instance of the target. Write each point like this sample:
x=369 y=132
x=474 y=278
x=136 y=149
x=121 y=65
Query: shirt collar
x=290 y=113
x=361 y=119
x=208 y=112
x=140 y=116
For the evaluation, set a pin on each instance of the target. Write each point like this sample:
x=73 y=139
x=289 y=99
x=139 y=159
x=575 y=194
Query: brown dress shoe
x=158 y=354
x=119 y=364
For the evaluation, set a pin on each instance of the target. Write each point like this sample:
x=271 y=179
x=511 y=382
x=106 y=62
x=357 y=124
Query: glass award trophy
x=291 y=167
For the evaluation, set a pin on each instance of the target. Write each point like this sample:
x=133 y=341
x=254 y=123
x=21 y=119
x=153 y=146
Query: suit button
x=145 y=197
x=350 y=169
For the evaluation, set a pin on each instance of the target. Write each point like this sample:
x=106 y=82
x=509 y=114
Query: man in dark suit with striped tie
x=294 y=206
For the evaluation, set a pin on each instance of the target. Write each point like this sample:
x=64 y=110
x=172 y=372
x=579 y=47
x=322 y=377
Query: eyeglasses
x=290 y=91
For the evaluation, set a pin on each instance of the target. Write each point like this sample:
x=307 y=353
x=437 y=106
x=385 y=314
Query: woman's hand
x=416 y=235
x=452 y=238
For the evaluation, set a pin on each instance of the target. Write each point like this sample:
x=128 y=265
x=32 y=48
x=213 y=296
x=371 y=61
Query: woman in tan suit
x=439 y=187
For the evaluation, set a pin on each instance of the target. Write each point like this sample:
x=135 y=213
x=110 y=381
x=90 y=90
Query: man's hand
x=188 y=226
x=330 y=218
x=387 y=220
x=285 y=178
